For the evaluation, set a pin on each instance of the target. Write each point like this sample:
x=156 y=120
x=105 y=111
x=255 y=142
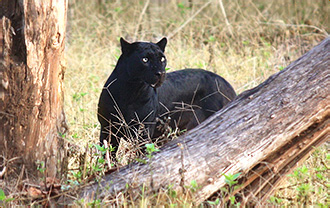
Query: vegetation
x=260 y=39
x=245 y=42
x=266 y=38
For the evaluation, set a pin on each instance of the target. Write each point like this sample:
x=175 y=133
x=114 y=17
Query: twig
x=20 y=176
x=140 y=19
x=182 y=170
x=218 y=91
x=3 y=171
x=107 y=153
x=188 y=20
x=85 y=162
x=293 y=25
x=260 y=14
x=225 y=16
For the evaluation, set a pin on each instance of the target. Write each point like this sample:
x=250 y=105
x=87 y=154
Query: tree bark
x=262 y=134
x=31 y=93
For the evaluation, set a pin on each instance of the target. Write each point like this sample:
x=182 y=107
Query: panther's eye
x=145 y=59
x=162 y=59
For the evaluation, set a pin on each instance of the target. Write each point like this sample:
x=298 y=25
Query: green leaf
x=100 y=148
x=304 y=169
x=2 y=195
x=236 y=176
x=319 y=176
x=181 y=5
x=232 y=199
x=246 y=42
x=216 y=202
x=230 y=179
x=211 y=39
x=141 y=160
x=193 y=184
x=101 y=160
x=151 y=148
x=281 y=68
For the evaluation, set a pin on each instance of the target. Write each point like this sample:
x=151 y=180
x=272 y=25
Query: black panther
x=128 y=102
x=139 y=93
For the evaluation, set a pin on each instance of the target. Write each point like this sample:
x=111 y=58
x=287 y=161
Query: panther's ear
x=125 y=46
x=162 y=43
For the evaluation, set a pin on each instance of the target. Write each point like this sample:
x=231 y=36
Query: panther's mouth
x=159 y=81
x=157 y=84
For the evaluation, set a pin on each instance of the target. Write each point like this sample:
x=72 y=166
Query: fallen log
x=262 y=134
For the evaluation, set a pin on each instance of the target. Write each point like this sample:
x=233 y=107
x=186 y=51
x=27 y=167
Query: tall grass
x=256 y=39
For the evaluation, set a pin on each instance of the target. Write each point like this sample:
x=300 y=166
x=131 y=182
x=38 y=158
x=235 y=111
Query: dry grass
x=263 y=37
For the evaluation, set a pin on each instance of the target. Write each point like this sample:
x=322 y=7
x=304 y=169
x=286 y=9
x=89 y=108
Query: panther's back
x=190 y=96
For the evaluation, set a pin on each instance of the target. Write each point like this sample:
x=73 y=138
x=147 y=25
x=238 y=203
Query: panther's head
x=145 y=61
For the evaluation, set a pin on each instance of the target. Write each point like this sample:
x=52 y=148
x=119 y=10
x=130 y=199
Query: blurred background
x=244 y=41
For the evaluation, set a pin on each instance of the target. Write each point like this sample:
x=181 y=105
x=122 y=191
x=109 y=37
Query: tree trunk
x=31 y=95
x=262 y=134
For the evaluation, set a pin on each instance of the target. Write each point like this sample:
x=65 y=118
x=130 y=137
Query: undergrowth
x=262 y=38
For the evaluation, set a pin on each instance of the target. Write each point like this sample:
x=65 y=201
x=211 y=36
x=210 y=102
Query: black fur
x=190 y=96
x=129 y=95
x=136 y=93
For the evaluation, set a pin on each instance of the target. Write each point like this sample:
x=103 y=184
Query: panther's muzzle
x=160 y=80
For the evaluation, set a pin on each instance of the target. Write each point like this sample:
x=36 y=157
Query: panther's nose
x=160 y=73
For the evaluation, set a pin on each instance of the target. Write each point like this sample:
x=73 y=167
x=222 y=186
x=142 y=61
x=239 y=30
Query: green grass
x=266 y=37
x=308 y=184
